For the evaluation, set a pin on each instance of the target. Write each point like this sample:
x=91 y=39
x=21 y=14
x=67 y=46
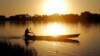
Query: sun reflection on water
x=56 y=29
x=54 y=43
x=52 y=29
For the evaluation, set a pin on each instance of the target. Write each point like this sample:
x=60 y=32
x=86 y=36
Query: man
x=27 y=33
x=27 y=36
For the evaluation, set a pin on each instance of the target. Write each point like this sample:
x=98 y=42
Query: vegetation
x=7 y=49
x=84 y=17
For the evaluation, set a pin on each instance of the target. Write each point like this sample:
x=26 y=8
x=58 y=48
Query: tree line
x=83 y=17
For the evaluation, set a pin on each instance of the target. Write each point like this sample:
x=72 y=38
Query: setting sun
x=55 y=7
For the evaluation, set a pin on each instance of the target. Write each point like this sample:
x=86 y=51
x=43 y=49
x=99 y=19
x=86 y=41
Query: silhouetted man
x=27 y=33
x=28 y=37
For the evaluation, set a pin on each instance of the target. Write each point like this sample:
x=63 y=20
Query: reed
x=7 y=49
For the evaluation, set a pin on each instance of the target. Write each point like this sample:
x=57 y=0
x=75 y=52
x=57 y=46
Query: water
x=88 y=41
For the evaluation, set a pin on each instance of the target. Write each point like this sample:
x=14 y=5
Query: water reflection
x=18 y=23
x=2 y=24
x=55 y=29
x=27 y=42
x=52 y=48
x=89 y=37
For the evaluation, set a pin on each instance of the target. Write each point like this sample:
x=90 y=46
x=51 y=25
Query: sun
x=55 y=7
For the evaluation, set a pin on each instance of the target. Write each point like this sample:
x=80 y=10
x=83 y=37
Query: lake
x=87 y=45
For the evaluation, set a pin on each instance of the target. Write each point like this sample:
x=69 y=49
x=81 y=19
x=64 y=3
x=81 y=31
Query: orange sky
x=13 y=7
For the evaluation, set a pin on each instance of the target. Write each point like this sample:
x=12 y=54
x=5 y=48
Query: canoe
x=60 y=37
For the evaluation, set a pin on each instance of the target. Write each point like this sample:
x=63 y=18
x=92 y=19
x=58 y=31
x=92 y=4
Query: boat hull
x=60 y=37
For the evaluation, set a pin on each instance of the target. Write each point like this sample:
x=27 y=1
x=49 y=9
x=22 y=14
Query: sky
x=31 y=7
